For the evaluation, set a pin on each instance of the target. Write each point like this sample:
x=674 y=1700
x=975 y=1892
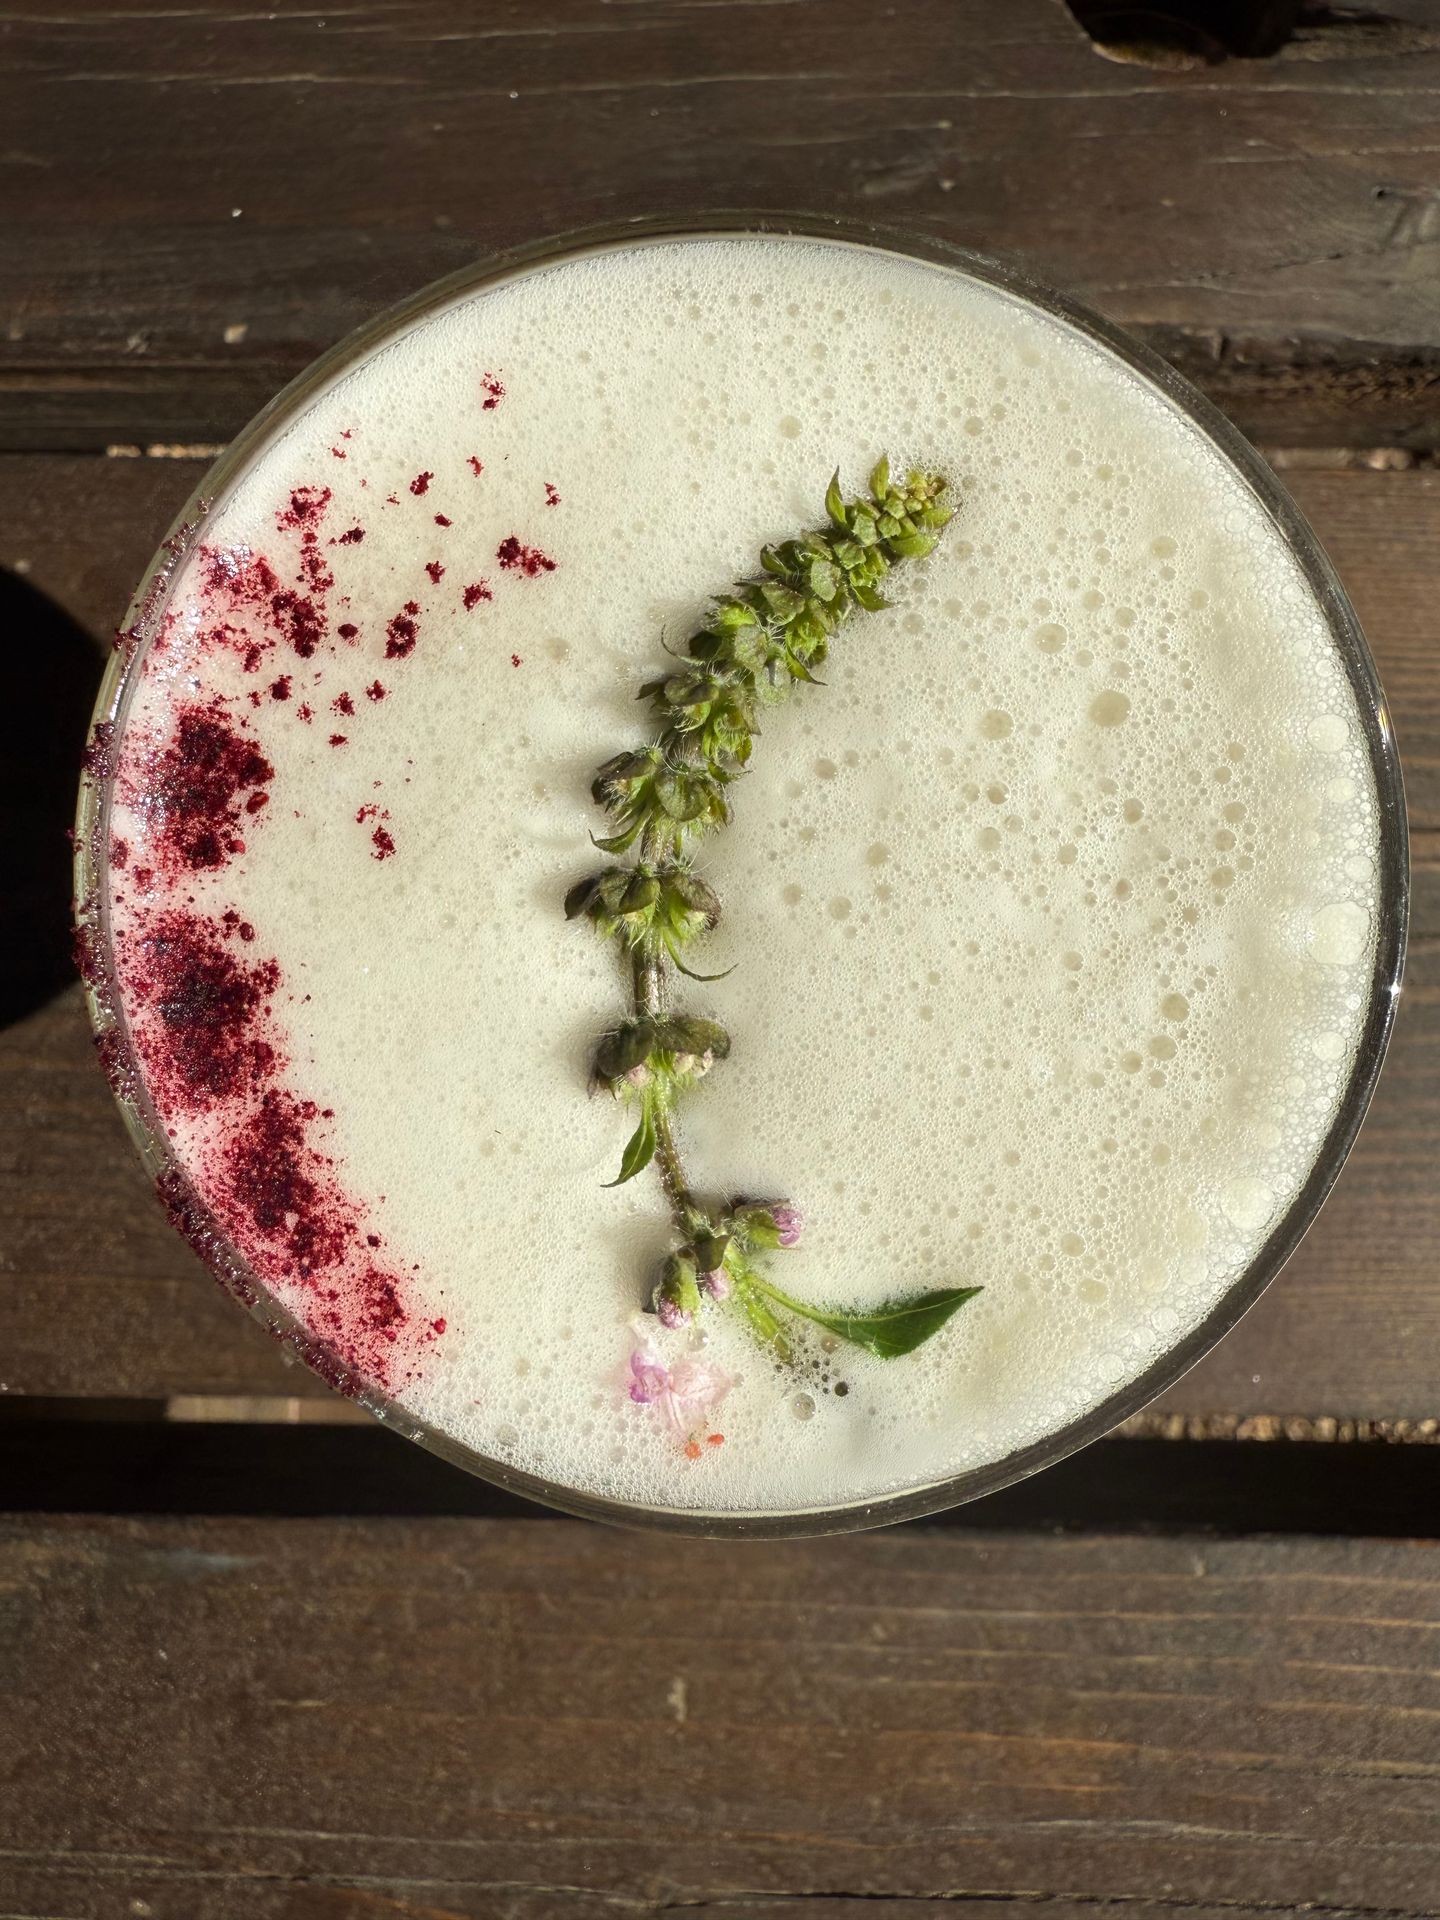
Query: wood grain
x=296 y=1720
x=100 y=1298
x=199 y=198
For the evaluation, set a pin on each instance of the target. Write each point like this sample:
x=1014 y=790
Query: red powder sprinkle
x=375 y=691
x=441 y=520
x=339 y=453
x=298 y=620
x=232 y=923
x=306 y=505
x=519 y=559
x=202 y=1030
x=342 y=703
x=439 y=1325
x=305 y=713
x=552 y=498
x=421 y=483
x=119 y=852
x=402 y=632
x=515 y=660
x=306 y=509
x=351 y=537
x=312 y=564
x=493 y=391
x=475 y=593
x=283 y=1188
x=392 y=499
x=88 y=951
x=256 y=802
x=476 y=466
x=714 y=1439
x=692 y=1449
x=384 y=845
x=348 y=631
x=280 y=689
x=98 y=758
x=196 y=784
x=435 y=571
x=337 y=739
x=244 y=579
x=370 y=812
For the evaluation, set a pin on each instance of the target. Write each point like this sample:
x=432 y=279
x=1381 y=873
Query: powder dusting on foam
x=1052 y=912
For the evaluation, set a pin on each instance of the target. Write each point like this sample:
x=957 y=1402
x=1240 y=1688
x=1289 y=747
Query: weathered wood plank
x=278 y=1718
x=199 y=198
x=100 y=1298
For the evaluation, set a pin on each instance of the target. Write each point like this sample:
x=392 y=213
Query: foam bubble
x=1340 y=933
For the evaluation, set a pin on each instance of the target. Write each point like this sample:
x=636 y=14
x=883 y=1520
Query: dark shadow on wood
x=1180 y=34
x=125 y=1464
x=50 y=682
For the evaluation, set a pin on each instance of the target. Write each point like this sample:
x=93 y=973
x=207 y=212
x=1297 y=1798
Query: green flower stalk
x=757 y=644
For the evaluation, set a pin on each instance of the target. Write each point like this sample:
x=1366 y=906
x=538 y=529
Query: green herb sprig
x=663 y=798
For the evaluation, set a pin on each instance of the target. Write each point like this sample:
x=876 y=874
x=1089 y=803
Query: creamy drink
x=1052 y=913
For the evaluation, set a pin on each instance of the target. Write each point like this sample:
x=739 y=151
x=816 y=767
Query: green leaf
x=689 y=1033
x=580 y=896
x=762 y=1320
x=880 y=478
x=913 y=546
x=782 y=601
x=894 y=1329
x=624 y=1047
x=640 y=1150
x=617 y=842
x=691 y=974
x=641 y=893
x=730 y=615
x=835 y=502
x=823 y=580
x=680 y=795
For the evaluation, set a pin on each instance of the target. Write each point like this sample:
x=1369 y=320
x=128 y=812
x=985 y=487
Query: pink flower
x=649 y=1380
x=788 y=1223
x=684 y=1394
x=716 y=1283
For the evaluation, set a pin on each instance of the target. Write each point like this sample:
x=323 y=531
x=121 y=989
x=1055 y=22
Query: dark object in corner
x=1187 y=33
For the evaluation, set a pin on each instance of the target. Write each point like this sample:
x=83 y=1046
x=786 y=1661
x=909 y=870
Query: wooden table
x=258 y=1659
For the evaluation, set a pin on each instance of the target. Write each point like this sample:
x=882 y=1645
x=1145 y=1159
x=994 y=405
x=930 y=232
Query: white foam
x=1051 y=926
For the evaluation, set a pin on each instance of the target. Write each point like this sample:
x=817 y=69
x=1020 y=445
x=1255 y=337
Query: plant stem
x=650 y=996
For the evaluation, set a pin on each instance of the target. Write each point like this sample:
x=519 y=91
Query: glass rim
x=206 y=1233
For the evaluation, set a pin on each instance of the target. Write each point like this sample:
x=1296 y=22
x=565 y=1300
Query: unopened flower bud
x=623 y=1054
x=767 y=1223
x=716 y=1283
x=694 y=1043
x=788 y=1223
x=677 y=1296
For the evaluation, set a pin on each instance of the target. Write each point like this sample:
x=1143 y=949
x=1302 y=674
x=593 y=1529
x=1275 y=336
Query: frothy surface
x=1052 y=913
